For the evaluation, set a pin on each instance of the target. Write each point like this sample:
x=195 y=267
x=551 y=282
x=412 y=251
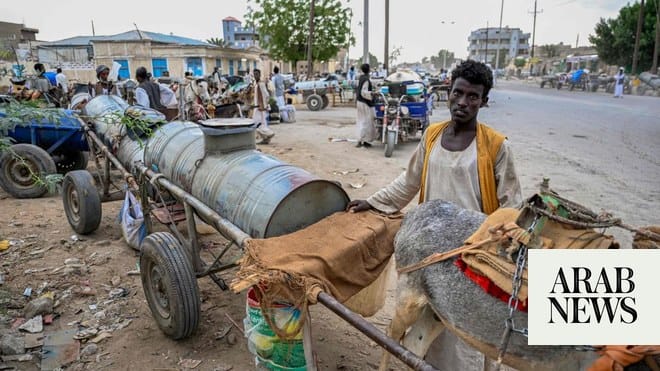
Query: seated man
x=41 y=85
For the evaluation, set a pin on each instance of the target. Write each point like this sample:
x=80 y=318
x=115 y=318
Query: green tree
x=216 y=41
x=519 y=62
x=443 y=57
x=283 y=27
x=614 y=39
x=550 y=50
x=373 y=62
x=394 y=55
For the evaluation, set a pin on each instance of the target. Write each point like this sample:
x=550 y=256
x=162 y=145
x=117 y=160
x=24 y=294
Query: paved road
x=601 y=151
x=597 y=150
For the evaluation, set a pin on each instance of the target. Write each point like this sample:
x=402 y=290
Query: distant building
x=79 y=56
x=12 y=34
x=237 y=36
x=16 y=37
x=484 y=42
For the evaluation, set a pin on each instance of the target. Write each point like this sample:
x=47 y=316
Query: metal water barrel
x=258 y=193
x=97 y=110
x=104 y=112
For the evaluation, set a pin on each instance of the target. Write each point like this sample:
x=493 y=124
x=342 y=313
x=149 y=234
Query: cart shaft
x=389 y=344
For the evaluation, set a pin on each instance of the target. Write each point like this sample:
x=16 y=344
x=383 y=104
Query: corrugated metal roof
x=128 y=36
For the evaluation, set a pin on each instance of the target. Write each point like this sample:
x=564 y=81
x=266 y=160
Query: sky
x=415 y=25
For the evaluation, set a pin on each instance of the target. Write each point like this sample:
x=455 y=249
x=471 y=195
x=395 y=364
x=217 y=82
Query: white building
x=484 y=42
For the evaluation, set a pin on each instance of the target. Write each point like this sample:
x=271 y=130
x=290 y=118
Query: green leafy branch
x=49 y=181
x=137 y=127
x=15 y=113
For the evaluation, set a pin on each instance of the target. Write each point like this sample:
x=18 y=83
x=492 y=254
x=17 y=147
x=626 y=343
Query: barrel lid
x=228 y=123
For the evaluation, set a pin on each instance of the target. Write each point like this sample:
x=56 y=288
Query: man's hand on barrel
x=357 y=206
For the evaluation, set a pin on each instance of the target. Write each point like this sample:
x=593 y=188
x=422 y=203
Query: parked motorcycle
x=402 y=110
x=390 y=124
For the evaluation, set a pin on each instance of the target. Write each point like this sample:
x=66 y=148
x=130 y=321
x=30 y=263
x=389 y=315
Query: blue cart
x=41 y=148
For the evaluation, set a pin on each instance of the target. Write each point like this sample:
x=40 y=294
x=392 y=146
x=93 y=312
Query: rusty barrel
x=218 y=163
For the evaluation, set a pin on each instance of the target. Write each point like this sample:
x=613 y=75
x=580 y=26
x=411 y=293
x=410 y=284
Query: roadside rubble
x=33 y=335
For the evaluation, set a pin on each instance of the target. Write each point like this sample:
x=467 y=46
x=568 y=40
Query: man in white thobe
x=260 y=111
x=445 y=166
x=365 y=109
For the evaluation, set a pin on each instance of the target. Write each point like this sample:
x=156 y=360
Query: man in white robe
x=365 y=109
x=445 y=166
x=260 y=111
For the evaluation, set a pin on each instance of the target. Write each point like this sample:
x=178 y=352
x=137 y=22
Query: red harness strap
x=487 y=285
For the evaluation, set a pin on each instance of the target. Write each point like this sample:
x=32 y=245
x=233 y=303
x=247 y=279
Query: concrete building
x=17 y=40
x=13 y=34
x=238 y=36
x=484 y=42
x=79 y=56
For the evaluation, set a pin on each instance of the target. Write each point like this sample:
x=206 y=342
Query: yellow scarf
x=489 y=142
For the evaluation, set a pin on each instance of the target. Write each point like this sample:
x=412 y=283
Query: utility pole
x=93 y=33
x=386 y=60
x=577 y=40
x=310 y=62
x=486 y=56
x=499 y=40
x=365 y=33
x=654 y=67
x=531 y=64
x=638 y=34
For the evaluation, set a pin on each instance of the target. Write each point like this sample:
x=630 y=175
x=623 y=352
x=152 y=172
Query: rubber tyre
x=69 y=161
x=542 y=84
x=82 y=203
x=326 y=101
x=314 y=102
x=16 y=176
x=389 y=143
x=169 y=285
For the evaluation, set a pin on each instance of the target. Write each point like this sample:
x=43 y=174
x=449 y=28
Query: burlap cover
x=340 y=255
x=491 y=260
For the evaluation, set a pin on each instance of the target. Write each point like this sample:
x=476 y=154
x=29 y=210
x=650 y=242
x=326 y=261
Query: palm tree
x=216 y=41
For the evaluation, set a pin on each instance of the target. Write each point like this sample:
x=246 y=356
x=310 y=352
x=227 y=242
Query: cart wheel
x=169 y=285
x=326 y=101
x=71 y=161
x=21 y=166
x=389 y=143
x=314 y=102
x=82 y=203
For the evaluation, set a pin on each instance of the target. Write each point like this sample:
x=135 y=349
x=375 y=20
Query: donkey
x=196 y=96
x=441 y=296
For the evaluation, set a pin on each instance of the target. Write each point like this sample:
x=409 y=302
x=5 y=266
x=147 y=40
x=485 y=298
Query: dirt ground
x=41 y=242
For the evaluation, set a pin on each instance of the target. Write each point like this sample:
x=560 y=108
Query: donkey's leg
x=409 y=303
x=423 y=332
